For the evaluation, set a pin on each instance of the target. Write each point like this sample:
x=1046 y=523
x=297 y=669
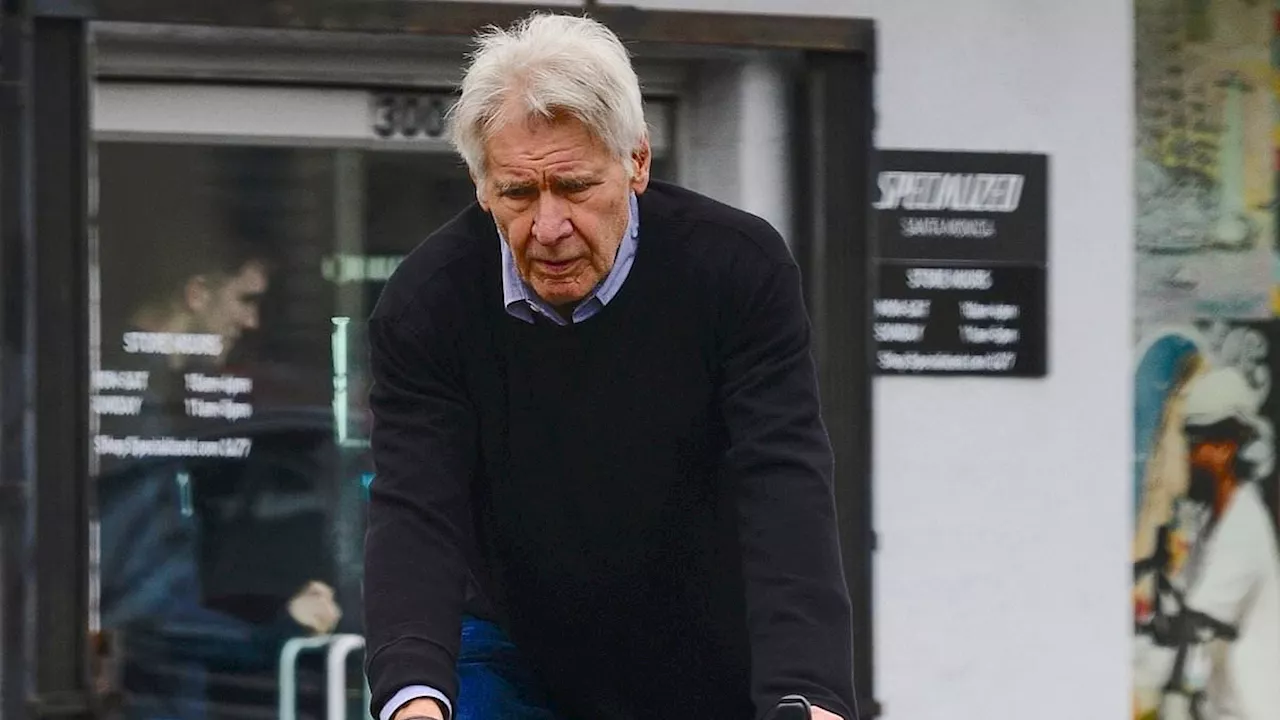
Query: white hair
x=544 y=66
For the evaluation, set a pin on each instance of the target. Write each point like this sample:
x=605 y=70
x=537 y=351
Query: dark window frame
x=45 y=78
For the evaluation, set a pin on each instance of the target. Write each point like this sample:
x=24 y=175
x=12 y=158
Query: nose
x=551 y=219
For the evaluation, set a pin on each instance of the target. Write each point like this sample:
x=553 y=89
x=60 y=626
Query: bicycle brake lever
x=791 y=707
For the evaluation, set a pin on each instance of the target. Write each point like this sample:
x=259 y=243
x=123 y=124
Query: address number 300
x=409 y=116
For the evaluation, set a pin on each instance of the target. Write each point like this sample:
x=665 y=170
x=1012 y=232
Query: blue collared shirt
x=522 y=302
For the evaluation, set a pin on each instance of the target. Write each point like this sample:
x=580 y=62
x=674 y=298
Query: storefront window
x=231 y=430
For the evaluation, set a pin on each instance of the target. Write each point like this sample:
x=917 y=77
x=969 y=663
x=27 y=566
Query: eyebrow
x=506 y=186
x=581 y=179
x=569 y=179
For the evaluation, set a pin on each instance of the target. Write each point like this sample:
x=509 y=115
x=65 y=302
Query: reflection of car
x=261 y=527
x=266 y=517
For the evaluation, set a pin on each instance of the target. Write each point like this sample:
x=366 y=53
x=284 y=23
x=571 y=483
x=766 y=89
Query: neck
x=1224 y=490
x=565 y=310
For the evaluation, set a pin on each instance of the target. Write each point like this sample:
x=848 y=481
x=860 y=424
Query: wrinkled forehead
x=518 y=138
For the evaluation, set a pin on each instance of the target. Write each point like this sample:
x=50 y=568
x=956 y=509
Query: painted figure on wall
x=1206 y=563
x=1205 y=172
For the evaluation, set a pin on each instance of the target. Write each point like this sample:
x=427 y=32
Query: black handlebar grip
x=791 y=707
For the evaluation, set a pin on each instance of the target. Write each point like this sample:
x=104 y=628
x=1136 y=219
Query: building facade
x=304 y=142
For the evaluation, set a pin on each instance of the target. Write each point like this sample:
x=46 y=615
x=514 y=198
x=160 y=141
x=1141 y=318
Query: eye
x=574 y=187
x=522 y=192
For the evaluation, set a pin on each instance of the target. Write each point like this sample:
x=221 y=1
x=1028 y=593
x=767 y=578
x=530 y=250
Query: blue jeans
x=494 y=682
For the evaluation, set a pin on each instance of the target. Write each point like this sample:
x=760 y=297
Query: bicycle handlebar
x=791 y=707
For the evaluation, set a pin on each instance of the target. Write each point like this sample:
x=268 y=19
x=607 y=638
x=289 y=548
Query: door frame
x=46 y=81
x=283 y=114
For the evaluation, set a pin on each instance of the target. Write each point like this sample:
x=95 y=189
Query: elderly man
x=604 y=488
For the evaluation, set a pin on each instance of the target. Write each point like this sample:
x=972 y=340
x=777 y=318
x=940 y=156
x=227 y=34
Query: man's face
x=229 y=306
x=1215 y=455
x=1213 y=471
x=561 y=200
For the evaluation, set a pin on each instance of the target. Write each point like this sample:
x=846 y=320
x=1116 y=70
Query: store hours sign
x=961 y=264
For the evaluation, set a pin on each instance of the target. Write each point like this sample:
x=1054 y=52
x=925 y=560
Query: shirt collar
x=521 y=301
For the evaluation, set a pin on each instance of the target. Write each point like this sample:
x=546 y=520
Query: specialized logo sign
x=961 y=206
x=956 y=192
x=961 y=246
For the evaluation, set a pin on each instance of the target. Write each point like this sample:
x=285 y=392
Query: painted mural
x=1206 y=545
x=1206 y=559
x=1205 y=176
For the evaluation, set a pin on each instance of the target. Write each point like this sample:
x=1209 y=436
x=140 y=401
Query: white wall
x=1003 y=506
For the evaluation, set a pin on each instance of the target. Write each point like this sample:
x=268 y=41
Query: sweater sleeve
x=779 y=464
x=424 y=445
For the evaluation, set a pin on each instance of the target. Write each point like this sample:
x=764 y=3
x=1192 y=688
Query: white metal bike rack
x=337 y=649
x=336 y=674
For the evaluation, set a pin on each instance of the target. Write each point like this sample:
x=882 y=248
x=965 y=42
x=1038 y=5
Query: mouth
x=557 y=269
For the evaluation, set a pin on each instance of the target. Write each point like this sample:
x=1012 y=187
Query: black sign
x=962 y=264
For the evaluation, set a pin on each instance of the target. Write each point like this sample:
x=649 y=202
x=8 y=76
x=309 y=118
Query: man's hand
x=818 y=713
x=420 y=708
x=314 y=608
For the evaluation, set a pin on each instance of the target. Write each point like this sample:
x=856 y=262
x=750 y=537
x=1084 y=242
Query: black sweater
x=644 y=498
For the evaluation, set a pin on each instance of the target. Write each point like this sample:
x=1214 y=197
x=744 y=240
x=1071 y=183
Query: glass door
x=243 y=234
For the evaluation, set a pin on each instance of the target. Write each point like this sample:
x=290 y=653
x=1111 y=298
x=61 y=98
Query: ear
x=642 y=158
x=197 y=294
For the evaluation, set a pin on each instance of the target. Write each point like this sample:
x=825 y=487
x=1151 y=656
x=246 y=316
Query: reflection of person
x=597 y=434
x=1216 y=639
x=213 y=300
x=150 y=576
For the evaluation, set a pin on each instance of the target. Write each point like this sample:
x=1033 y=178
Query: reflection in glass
x=215 y=460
